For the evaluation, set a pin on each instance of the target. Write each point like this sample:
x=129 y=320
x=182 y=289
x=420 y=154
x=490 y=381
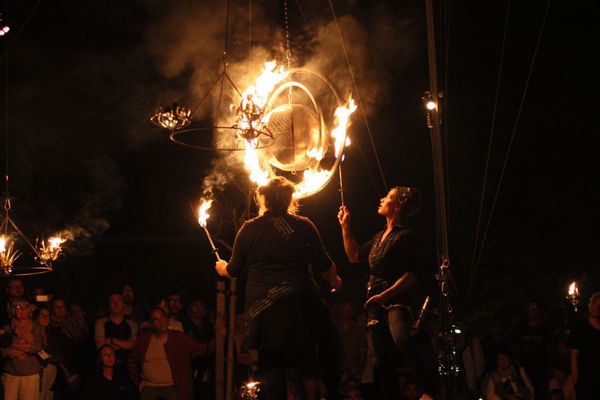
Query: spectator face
x=197 y=309
x=174 y=303
x=15 y=289
x=77 y=311
x=410 y=391
x=503 y=361
x=533 y=310
x=346 y=311
x=22 y=311
x=43 y=318
x=107 y=357
x=128 y=294
x=594 y=308
x=115 y=304
x=158 y=320
x=59 y=308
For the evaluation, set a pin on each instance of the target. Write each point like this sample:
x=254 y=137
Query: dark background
x=81 y=79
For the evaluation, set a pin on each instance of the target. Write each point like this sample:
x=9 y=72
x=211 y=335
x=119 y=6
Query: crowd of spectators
x=53 y=348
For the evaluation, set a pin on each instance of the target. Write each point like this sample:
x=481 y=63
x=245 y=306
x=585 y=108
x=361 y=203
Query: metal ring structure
x=293 y=83
x=204 y=130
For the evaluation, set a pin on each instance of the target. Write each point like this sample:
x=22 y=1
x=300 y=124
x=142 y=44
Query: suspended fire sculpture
x=280 y=126
x=45 y=251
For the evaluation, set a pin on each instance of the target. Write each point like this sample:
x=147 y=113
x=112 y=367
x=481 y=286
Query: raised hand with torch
x=202 y=218
x=391 y=281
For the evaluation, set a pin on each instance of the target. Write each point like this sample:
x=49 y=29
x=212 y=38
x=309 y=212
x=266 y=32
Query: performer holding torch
x=285 y=316
x=391 y=280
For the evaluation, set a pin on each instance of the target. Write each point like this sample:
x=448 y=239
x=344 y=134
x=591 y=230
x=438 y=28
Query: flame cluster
x=258 y=169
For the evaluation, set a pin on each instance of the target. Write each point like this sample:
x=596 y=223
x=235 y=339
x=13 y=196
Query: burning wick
x=202 y=218
x=573 y=295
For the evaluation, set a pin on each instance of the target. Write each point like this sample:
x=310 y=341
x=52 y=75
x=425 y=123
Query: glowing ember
x=202 y=212
x=342 y=115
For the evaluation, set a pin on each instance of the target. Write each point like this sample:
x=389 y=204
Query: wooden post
x=231 y=339
x=220 y=333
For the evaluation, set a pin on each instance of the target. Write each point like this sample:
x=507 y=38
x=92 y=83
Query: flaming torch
x=202 y=218
x=573 y=295
x=49 y=250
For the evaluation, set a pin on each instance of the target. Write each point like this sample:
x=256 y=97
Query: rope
x=513 y=134
x=359 y=100
x=489 y=149
x=288 y=52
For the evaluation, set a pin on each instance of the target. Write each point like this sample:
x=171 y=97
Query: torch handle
x=212 y=244
x=341 y=185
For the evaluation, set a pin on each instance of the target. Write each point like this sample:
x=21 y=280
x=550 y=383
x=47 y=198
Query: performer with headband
x=391 y=281
x=285 y=316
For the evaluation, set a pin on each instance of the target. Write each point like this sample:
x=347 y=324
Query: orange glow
x=252 y=164
x=202 y=212
x=342 y=117
x=573 y=289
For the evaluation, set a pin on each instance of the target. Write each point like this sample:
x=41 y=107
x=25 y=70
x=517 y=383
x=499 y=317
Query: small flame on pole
x=573 y=295
x=202 y=220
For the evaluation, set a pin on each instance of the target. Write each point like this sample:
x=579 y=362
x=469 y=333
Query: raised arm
x=351 y=246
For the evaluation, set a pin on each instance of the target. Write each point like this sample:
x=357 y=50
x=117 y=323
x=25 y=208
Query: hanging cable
x=446 y=46
x=512 y=137
x=359 y=100
x=489 y=149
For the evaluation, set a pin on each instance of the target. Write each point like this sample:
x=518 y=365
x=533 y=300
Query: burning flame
x=265 y=83
x=252 y=164
x=55 y=242
x=342 y=117
x=202 y=212
x=313 y=180
x=2 y=244
x=573 y=290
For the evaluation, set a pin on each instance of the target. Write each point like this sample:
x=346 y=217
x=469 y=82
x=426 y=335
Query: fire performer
x=391 y=281
x=285 y=316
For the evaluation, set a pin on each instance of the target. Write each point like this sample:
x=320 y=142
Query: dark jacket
x=180 y=349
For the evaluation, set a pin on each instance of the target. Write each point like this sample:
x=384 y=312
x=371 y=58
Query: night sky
x=81 y=79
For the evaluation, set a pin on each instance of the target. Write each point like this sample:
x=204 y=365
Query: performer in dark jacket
x=391 y=282
x=284 y=311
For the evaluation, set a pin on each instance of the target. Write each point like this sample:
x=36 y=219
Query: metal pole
x=447 y=366
x=230 y=339
x=220 y=332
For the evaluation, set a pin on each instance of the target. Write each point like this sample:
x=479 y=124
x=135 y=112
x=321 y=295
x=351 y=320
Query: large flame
x=312 y=182
x=342 y=117
x=252 y=164
x=2 y=244
x=265 y=83
x=203 y=212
